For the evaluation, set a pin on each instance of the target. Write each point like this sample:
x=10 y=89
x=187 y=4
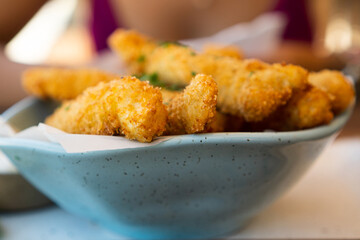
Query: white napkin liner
x=74 y=143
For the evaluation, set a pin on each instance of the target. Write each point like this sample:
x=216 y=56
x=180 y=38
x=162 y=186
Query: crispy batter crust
x=62 y=84
x=133 y=47
x=265 y=90
x=223 y=51
x=249 y=89
x=191 y=110
x=307 y=108
x=124 y=106
x=338 y=88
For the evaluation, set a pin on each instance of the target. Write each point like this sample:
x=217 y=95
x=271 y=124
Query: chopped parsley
x=166 y=44
x=173 y=87
x=141 y=59
x=153 y=79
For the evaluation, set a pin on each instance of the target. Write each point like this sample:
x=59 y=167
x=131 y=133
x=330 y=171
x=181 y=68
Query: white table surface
x=325 y=203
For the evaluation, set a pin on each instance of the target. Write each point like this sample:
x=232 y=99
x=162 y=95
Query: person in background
x=199 y=18
x=167 y=20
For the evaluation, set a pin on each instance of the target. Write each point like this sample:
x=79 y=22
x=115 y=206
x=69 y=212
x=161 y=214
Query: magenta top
x=298 y=26
x=102 y=23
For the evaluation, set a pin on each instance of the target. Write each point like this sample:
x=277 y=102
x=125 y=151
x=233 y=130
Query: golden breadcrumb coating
x=171 y=63
x=295 y=76
x=249 y=89
x=306 y=109
x=62 y=84
x=191 y=110
x=336 y=85
x=223 y=51
x=267 y=89
x=253 y=89
x=133 y=48
x=220 y=123
x=125 y=106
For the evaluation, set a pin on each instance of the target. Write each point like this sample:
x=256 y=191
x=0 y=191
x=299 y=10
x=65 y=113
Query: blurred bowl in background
x=17 y=194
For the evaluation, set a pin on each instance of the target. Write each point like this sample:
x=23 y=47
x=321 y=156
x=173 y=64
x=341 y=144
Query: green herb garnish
x=141 y=59
x=174 y=87
x=153 y=79
x=168 y=43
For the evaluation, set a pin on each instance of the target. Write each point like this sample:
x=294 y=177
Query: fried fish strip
x=249 y=89
x=219 y=123
x=223 y=51
x=338 y=88
x=265 y=90
x=124 y=106
x=133 y=47
x=306 y=109
x=62 y=84
x=191 y=110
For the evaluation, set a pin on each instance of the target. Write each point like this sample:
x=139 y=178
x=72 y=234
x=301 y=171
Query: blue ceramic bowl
x=192 y=186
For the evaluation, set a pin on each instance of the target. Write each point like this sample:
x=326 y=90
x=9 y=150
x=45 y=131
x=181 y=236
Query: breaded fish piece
x=124 y=106
x=336 y=85
x=249 y=89
x=173 y=64
x=191 y=110
x=265 y=90
x=223 y=51
x=306 y=109
x=62 y=84
x=133 y=47
x=219 y=123
x=252 y=89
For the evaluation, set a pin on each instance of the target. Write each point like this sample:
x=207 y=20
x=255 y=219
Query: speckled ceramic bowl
x=192 y=186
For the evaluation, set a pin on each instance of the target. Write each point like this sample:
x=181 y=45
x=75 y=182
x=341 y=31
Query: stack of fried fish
x=215 y=91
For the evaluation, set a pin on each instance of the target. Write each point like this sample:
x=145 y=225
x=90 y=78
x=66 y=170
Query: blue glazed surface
x=192 y=186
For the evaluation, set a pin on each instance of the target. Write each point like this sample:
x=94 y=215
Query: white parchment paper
x=75 y=143
x=6 y=131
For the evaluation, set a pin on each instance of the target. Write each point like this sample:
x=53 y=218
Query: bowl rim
x=267 y=138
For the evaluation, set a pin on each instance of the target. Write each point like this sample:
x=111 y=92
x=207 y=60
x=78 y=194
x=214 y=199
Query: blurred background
x=316 y=34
